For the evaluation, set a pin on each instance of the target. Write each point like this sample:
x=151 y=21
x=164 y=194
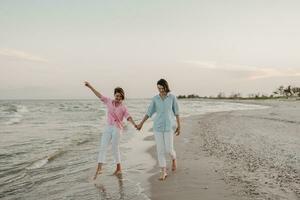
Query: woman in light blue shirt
x=165 y=106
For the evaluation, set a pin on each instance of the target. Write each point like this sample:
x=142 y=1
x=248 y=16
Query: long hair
x=165 y=84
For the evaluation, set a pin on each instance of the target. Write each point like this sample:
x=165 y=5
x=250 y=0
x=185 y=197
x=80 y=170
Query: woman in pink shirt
x=116 y=112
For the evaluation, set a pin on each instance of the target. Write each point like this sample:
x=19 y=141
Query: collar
x=114 y=103
x=167 y=95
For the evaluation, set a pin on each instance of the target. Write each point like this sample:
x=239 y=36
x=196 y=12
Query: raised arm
x=98 y=94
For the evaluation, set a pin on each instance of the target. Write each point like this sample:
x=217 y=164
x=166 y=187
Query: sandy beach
x=249 y=154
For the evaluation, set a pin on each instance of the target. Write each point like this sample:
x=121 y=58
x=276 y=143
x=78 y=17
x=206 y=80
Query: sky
x=48 y=48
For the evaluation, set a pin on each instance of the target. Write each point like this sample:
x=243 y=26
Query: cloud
x=20 y=55
x=252 y=72
x=271 y=72
x=202 y=64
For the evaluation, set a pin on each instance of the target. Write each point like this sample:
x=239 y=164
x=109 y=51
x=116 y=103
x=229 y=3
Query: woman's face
x=161 y=89
x=118 y=97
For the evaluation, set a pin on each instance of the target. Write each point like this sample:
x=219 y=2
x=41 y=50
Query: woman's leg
x=169 y=146
x=160 y=147
x=105 y=140
x=116 y=134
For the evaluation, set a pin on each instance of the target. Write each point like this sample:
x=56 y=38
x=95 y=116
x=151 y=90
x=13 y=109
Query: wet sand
x=249 y=154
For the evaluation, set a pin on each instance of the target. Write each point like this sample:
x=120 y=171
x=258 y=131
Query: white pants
x=164 y=145
x=110 y=135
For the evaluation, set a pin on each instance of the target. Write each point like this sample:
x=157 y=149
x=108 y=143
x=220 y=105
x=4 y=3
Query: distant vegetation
x=280 y=92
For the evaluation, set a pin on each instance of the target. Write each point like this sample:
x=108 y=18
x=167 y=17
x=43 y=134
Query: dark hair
x=165 y=84
x=121 y=91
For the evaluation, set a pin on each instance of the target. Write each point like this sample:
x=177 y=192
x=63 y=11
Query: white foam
x=38 y=164
x=15 y=119
x=15 y=114
x=22 y=109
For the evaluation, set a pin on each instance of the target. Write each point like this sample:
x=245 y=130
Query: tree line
x=280 y=92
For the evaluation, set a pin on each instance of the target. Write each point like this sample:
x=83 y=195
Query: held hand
x=177 y=131
x=87 y=84
x=135 y=125
x=139 y=126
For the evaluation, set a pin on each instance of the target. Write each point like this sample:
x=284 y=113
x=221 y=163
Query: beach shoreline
x=244 y=154
x=215 y=159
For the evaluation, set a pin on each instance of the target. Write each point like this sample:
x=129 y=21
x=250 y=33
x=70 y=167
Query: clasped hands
x=140 y=125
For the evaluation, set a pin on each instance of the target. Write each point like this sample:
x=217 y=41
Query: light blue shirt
x=165 y=111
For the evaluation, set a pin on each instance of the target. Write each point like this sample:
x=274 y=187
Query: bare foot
x=117 y=172
x=163 y=176
x=174 y=165
x=99 y=171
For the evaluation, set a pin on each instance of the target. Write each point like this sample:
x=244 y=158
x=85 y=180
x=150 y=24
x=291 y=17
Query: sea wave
x=13 y=113
x=14 y=119
x=43 y=161
x=51 y=157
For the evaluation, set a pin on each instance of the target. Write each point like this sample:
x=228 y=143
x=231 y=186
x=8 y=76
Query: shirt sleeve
x=104 y=99
x=175 y=106
x=151 y=108
x=126 y=113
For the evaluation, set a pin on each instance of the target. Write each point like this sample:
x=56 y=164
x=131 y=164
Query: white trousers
x=164 y=145
x=110 y=135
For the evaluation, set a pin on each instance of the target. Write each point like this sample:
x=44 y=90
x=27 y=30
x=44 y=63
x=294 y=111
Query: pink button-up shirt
x=115 y=114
